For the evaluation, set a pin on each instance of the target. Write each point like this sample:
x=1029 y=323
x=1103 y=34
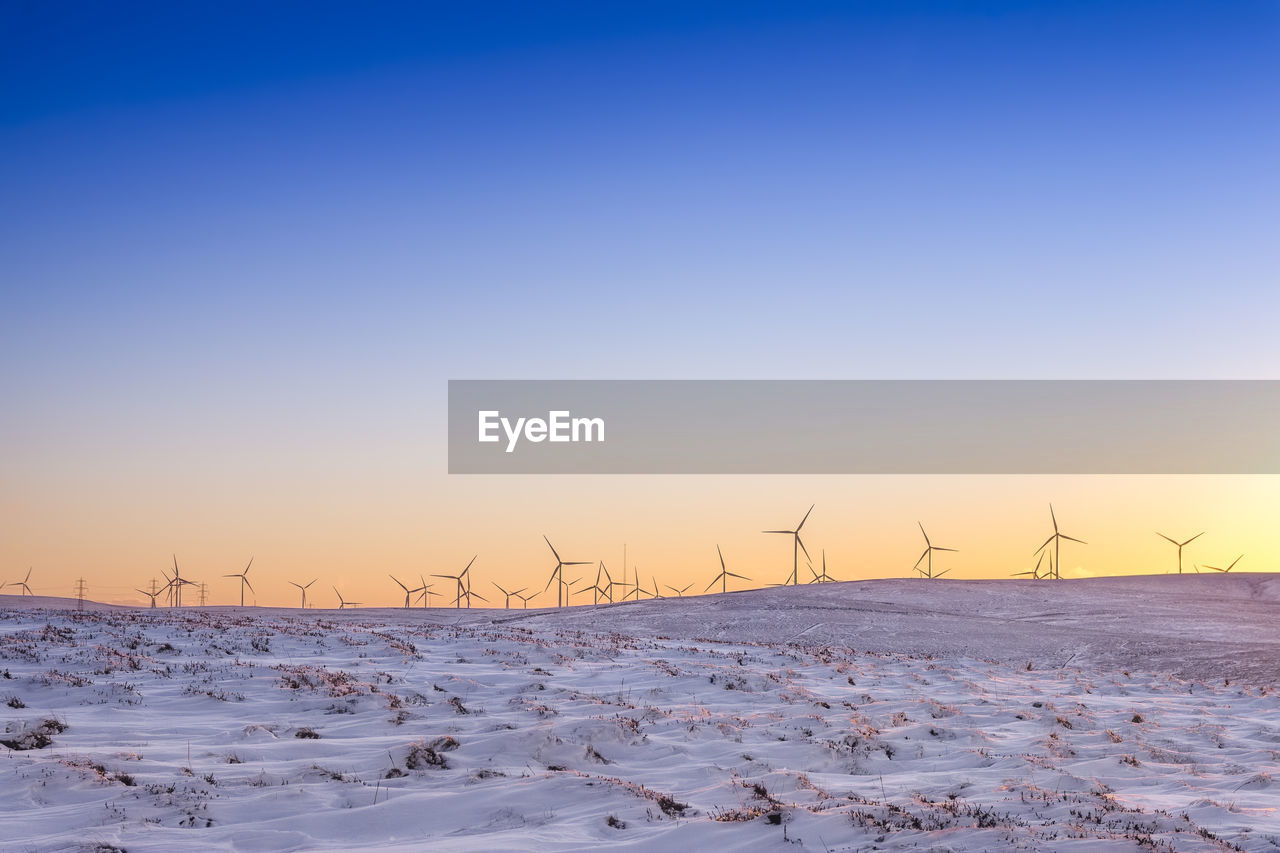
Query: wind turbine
x=1228 y=568
x=557 y=574
x=176 y=583
x=26 y=590
x=1180 y=545
x=824 y=577
x=725 y=574
x=407 y=592
x=459 y=578
x=507 y=604
x=152 y=595
x=1055 y=564
x=525 y=598
x=244 y=581
x=597 y=590
x=303 y=587
x=425 y=592
x=929 y=548
x=796 y=548
x=342 y=602
x=680 y=592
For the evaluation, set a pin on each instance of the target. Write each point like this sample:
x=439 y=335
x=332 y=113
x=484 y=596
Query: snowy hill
x=856 y=716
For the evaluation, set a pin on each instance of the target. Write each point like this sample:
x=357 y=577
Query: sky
x=244 y=250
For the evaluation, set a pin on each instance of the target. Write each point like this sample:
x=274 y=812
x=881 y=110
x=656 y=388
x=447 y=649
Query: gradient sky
x=243 y=250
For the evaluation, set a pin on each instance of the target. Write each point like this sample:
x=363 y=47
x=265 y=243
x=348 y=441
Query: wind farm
x=627 y=586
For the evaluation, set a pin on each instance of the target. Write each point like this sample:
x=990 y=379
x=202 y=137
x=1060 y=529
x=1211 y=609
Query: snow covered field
x=1134 y=713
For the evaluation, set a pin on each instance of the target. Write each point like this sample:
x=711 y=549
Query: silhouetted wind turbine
x=1228 y=568
x=466 y=592
x=725 y=574
x=459 y=578
x=796 y=548
x=244 y=581
x=1180 y=545
x=824 y=577
x=557 y=574
x=597 y=589
x=152 y=595
x=176 y=583
x=929 y=548
x=507 y=604
x=1055 y=565
x=525 y=598
x=424 y=592
x=680 y=592
x=303 y=587
x=26 y=590
x=407 y=592
x=342 y=602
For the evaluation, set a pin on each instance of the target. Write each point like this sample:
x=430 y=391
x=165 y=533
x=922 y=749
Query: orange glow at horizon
x=349 y=535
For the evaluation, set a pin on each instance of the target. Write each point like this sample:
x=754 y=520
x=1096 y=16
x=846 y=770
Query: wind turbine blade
x=925 y=535
x=471 y=594
x=921 y=560
x=1233 y=563
x=246 y=583
x=1054 y=517
x=713 y=583
x=552 y=547
x=940 y=548
x=473 y=559
x=721 y=553
x=741 y=577
x=1073 y=539
x=246 y=568
x=1175 y=542
x=1045 y=545
x=800 y=542
x=941 y=573
x=806 y=518
x=778 y=531
x=1194 y=538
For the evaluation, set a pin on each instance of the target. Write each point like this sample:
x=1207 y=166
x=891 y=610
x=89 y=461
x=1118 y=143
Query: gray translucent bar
x=875 y=426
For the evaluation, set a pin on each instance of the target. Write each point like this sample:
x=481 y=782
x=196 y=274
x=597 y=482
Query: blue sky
x=238 y=238
x=875 y=189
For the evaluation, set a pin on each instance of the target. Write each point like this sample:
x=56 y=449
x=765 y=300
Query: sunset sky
x=243 y=252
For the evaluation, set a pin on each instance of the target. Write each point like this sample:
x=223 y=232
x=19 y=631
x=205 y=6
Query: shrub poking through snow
x=423 y=755
x=32 y=737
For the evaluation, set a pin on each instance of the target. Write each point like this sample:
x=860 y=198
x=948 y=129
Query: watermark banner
x=864 y=427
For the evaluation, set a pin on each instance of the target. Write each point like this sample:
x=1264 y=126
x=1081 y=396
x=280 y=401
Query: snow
x=961 y=715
